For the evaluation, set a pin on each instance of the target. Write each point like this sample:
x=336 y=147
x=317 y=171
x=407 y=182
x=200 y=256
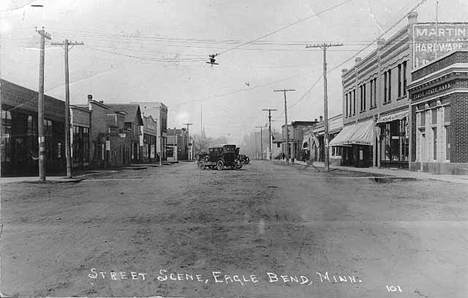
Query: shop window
x=85 y=144
x=6 y=136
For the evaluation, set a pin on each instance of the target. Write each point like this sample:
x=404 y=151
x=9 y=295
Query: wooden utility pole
x=65 y=45
x=188 y=133
x=40 y=108
x=261 y=141
x=324 y=47
x=160 y=140
x=269 y=131
x=286 y=120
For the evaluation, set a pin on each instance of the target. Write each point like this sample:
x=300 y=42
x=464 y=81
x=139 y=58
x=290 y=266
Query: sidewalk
x=81 y=175
x=463 y=179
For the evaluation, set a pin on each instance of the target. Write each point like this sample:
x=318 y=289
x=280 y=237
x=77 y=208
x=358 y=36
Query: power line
x=286 y=119
x=287 y=26
x=324 y=47
x=66 y=45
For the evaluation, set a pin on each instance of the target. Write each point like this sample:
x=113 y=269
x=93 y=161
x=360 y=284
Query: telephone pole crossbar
x=324 y=47
x=65 y=46
x=40 y=108
x=269 y=131
x=286 y=120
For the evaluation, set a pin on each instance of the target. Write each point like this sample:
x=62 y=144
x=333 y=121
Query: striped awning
x=357 y=134
x=363 y=134
x=342 y=139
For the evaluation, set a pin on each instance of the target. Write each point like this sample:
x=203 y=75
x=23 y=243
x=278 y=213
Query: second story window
x=400 y=83
x=404 y=77
x=385 y=87
x=389 y=97
x=354 y=102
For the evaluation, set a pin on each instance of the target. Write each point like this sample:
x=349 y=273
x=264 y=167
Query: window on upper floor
x=400 y=82
x=389 y=97
x=364 y=96
x=354 y=102
x=405 y=69
x=385 y=87
x=346 y=105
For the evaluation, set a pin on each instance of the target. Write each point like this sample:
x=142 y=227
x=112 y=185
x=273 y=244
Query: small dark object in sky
x=212 y=60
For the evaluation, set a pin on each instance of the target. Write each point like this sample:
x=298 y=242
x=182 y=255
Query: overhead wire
x=364 y=48
x=287 y=26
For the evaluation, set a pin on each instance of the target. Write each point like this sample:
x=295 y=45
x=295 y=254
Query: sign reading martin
x=432 y=41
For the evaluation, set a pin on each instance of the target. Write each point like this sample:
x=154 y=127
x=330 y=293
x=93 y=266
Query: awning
x=363 y=133
x=342 y=139
x=393 y=117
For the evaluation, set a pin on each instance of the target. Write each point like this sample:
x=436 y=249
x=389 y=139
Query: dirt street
x=267 y=230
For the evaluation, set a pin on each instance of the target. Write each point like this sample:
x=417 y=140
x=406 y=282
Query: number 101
x=394 y=289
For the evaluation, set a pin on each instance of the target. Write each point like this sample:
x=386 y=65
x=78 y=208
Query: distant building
x=159 y=112
x=150 y=135
x=439 y=115
x=133 y=123
x=297 y=138
x=177 y=140
x=314 y=140
x=110 y=141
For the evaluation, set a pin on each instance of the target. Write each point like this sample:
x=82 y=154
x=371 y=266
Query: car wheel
x=238 y=164
x=220 y=165
x=201 y=165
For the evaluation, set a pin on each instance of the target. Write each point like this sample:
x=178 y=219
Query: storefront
x=439 y=109
x=393 y=136
x=355 y=143
x=19 y=132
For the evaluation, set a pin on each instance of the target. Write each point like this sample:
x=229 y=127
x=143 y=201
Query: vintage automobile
x=220 y=157
x=244 y=159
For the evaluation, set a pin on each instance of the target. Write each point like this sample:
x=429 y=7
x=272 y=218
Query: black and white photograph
x=234 y=148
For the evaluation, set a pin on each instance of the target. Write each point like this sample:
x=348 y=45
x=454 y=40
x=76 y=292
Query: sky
x=156 y=50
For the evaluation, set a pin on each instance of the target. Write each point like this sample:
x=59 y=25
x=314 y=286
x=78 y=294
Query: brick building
x=439 y=115
x=134 y=125
x=375 y=98
x=80 y=120
x=19 y=132
x=110 y=141
x=150 y=135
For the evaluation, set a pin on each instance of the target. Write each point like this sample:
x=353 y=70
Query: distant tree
x=201 y=143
